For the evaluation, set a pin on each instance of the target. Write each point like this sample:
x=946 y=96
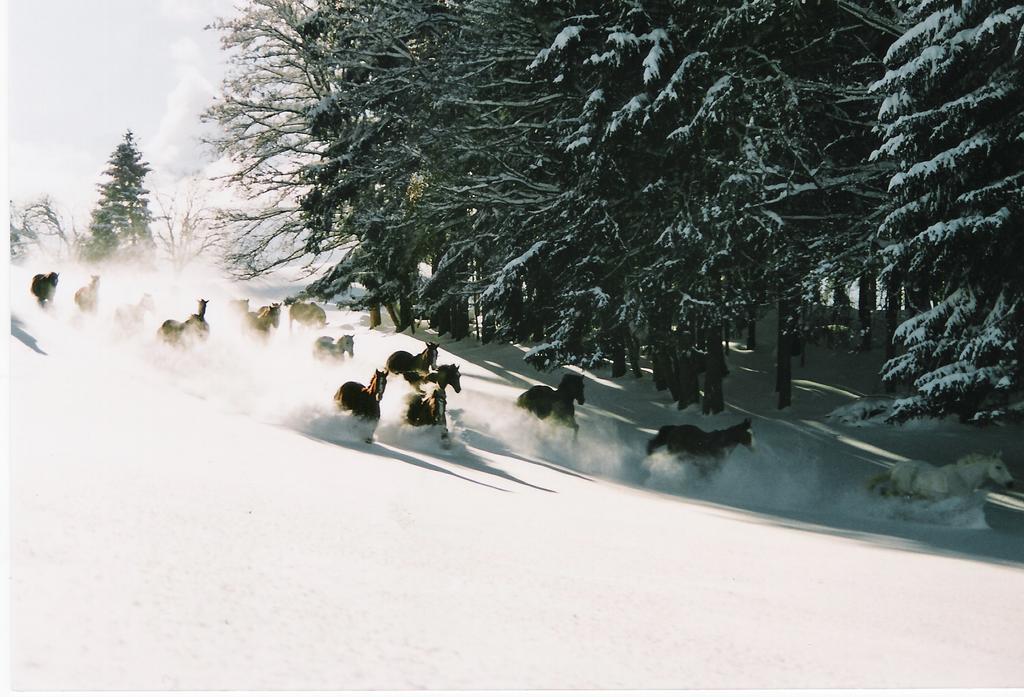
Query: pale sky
x=82 y=72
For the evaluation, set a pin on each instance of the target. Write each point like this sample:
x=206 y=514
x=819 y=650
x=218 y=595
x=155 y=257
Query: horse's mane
x=570 y=379
x=979 y=458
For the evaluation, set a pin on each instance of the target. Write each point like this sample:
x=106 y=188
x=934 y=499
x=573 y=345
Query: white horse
x=327 y=348
x=919 y=479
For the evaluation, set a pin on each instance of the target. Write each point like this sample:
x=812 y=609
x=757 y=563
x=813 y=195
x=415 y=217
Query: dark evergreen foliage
x=119 y=227
x=615 y=181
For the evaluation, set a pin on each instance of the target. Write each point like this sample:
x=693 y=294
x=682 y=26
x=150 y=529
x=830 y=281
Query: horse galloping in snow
x=306 y=314
x=327 y=348
x=132 y=316
x=423 y=362
x=686 y=439
x=444 y=376
x=44 y=287
x=194 y=328
x=363 y=400
x=544 y=402
x=87 y=297
x=264 y=318
x=429 y=411
x=919 y=479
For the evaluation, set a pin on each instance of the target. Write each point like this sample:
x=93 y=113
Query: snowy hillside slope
x=204 y=519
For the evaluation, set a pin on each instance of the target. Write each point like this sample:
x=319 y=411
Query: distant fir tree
x=953 y=120
x=120 y=222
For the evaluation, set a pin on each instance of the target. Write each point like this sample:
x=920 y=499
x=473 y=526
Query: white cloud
x=175 y=149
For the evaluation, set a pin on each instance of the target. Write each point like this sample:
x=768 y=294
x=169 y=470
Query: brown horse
x=327 y=348
x=195 y=327
x=444 y=376
x=363 y=400
x=306 y=314
x=44 y=287
x=266 y=317
x=87 y=297
x=403 y=362
x=690 y=440
x=557 y=405
x=429 y=411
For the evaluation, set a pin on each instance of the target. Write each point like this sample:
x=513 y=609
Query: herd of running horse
x=425 y=408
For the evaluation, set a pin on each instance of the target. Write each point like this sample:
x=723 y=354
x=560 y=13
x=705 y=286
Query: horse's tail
x=659 y=440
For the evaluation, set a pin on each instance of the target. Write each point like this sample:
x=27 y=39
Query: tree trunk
x=633 y=348
x=441 y=319
x=393 y=314
x=686 y=369
x=714 y=399
x=374 y=316
x=784 y=354
x=662 y=366
x=892 y=313
x=405 y=313
x=459 y=318
x=751 y=329
x=865 y=308
x=520 y=328
x=688 y=391
x=618 y=359
x=487 y=327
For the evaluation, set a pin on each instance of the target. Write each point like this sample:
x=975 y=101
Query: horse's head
x=380 y=381
x=274 y=313
x=52 y=277
x=202 y=308
x=147 y=302
x=449 y=375
x=347 y=344
x=998 y=473
x=94 y=282
x=432 y=354
x=739 y=434
x=573 y=384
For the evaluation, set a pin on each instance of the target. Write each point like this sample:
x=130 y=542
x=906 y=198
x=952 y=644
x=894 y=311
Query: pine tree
x=120 y=222
x=953 y=120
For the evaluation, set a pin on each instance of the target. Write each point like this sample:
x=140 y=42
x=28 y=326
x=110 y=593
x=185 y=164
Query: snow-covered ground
x=205 y=519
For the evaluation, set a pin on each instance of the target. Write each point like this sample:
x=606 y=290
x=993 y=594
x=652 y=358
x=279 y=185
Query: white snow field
x=204 y=519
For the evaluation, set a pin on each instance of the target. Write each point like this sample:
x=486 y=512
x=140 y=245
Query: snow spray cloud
x=274 y=378
x=487 y=417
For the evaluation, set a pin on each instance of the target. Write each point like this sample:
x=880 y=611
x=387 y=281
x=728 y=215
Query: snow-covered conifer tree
x=120 y=222
x=953 y=120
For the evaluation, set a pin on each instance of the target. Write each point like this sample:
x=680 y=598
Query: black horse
x=690 y=440
x=363 y=400
x=444 y=376
x=429 y=411
x=195 y=327
x=557 y=405
x=44 y=287
x=401 y=362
